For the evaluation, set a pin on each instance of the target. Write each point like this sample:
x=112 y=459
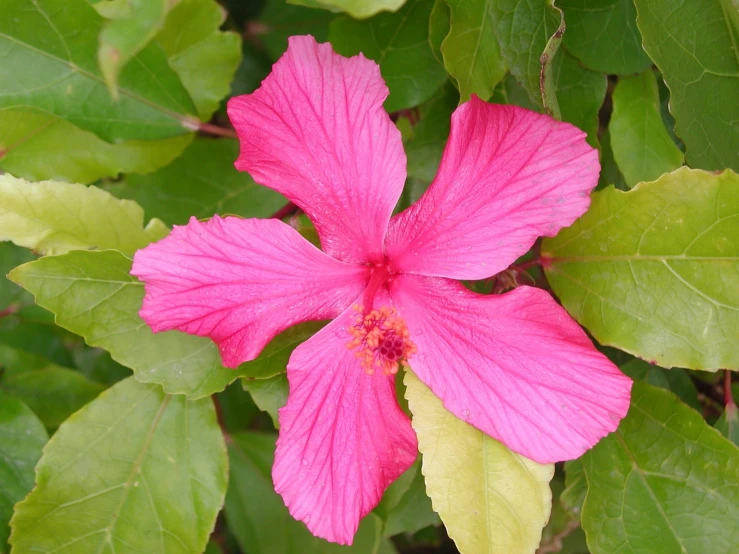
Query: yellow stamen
x=383 y=340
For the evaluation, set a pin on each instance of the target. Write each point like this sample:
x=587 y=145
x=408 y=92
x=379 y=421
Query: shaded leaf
x=641 y=145
x=93 y=294
x=54 y=218
x=38 y=146
x=603 y=35
x=439 y=27
x=269 y=394
x=580 y=93
x=399 y=43
x=664 y=482
x=48 y=61
x=280 y=20
x=201 y=183
x=258 y=518
x=134 y=471
x=22 y=436
x=413 y=510
x=470 y=50
x=693 y=43
x=675 y=380
x=489 y=498
x=53 y=393
x=576 y=486
x=654 y=271
x=523 y=28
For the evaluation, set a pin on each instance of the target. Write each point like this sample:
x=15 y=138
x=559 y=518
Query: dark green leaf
x=93 y=295
x=641 y=144
x=258 y=518
x=22 y=436
x=610 y=174
x=603 y=35
x=576 y=486
x=430 y=135
x=399 y=43
x=49 y=62
x=280 y=20
x=134 y=471
x=694 y=44
x=664 y=482
x=53 y=394
x=580 y=93
x=413 y=510
x=654 y=271
x=470 y=50
x=269 y=394
x=523 y=28
x=675 y=380
x=439 y=27
x=201 y=183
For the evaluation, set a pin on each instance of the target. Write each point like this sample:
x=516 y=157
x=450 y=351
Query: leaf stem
x=286 y=210
x=216 y=130
x=728 y=394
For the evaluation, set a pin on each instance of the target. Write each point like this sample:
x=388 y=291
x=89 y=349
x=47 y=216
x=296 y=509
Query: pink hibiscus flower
x=515 y=366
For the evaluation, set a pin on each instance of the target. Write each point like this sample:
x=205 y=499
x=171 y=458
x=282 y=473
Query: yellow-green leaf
x=54 y=218
x=491 y=499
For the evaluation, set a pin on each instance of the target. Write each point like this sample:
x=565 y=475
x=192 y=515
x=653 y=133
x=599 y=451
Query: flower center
x=382 y=339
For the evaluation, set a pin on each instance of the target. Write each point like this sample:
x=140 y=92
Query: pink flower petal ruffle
x=343 y=438
x=241 y=282
x=515 y=366
x=316 y=132
x=508 y=176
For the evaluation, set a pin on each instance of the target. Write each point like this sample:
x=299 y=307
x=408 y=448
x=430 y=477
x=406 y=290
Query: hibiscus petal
x=343 y=437
x=241 y=282
x=508 y=175
x=316 y=132
x=515 y=366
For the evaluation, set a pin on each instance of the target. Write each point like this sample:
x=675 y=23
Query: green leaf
x=655 y=271
x=11 y=295
x=489 y=498
x=693 y=43
x=39 y=146
x=603 y=35
x=14 y=361
x=439 y=27
x=280 y=20
x=93 y=295
x=399 y=43
x=523 y=28
x=129 y=29
x=728 y=423
x=610 y=174
x=53 y=394
x=53 y=218
x=413 y=510
x=430 y=135
x=48 y=61
x=135 y=471
x=269 y=394
x=200 y=183
x=580 y=93
x=664 y=482
x=509 y=91
x=675 y=380
x=470 y=50
x=204 y=57
x=22 y=436
x=576 y=486
x=547 y=84
x=641 y=144
x=561 y=523
x=258 y=518
x=358 y=9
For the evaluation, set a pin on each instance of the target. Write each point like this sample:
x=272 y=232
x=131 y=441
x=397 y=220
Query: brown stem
x=528 y=264
x=286 y=210
x=216 y=130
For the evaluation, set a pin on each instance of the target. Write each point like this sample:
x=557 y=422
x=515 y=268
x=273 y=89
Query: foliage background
x=118 y=106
